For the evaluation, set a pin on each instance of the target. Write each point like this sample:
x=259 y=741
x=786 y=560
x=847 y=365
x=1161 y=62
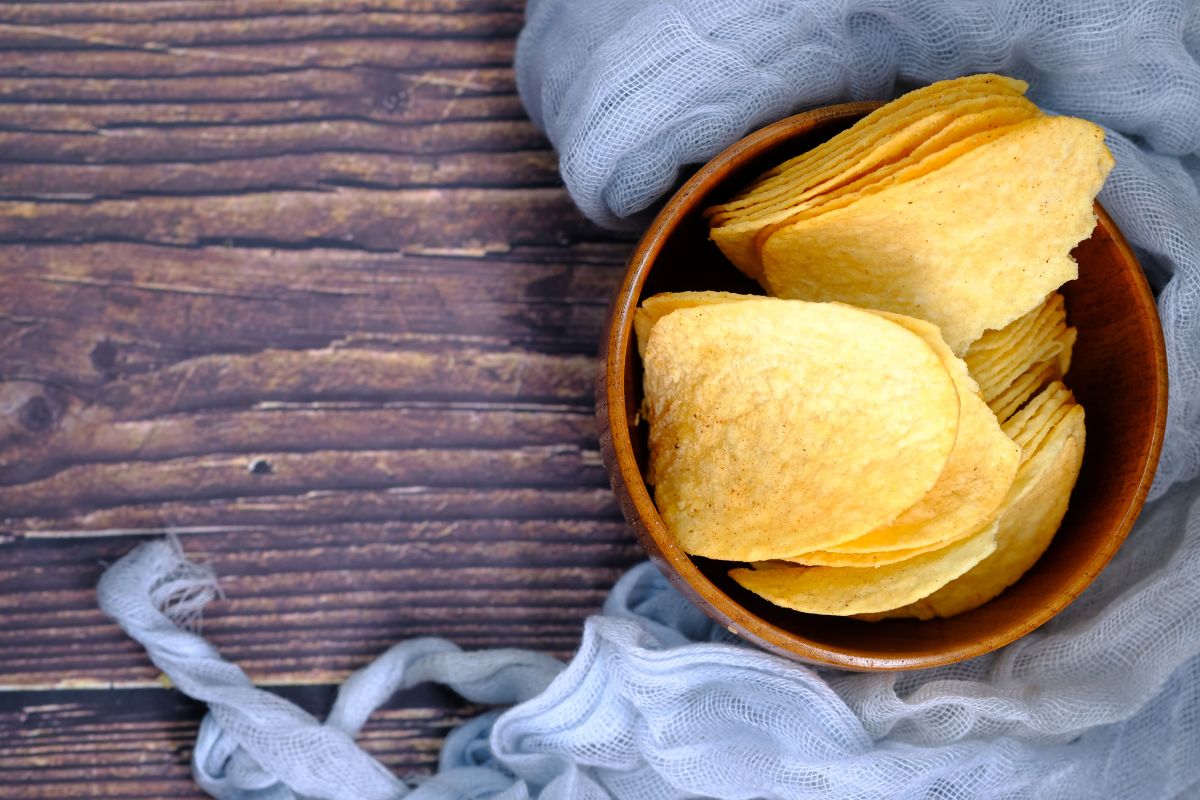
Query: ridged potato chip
x=658 y=306
x=873 y=558
x=1037 y=415
x=1037 y=337
x=1027 y=384
x=936 y=247
x=857 y=590
x=1027 y=525
x=781 y=427
x=854 y=146
x=741 y=239
x=977 y=476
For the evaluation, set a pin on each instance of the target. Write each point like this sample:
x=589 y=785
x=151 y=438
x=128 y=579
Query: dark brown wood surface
x=297 y=281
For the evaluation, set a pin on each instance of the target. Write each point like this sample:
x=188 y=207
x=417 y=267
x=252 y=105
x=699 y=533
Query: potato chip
x=1027 y=525
x=781 y=427
x=977 y=476
x=874 y=558
x=862 y=466
x=1035 y=436
x=856 y=590
x=937 y=126
x=1003 y=338
x=1029 y=383
x=889 y=132
x=995 y=346
x=658 y=306
x=741 y=240
x=868 y=133
x=1036 y=416
x=961 y=136
x=955 y=246
x=1066 y=348
x=1030 y=435
x=1051 y=395
x=1010 y=367
x=1042 y=337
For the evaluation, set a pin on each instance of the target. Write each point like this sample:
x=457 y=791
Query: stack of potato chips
x=908 y=450
x=958 y=203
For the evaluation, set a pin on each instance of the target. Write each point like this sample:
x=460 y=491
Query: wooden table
x=297 y=281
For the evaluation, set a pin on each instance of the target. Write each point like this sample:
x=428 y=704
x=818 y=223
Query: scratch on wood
x=482 y=251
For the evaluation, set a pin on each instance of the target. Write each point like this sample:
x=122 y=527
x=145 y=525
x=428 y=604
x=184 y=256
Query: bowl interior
x=1118 y=374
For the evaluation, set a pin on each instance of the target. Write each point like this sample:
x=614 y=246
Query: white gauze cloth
x=659 y=703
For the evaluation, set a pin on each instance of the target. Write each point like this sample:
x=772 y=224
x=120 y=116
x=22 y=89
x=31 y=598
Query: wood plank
x=381 y=505
x=162 y=310
x=388 y=90
x=26 y=26
x=311 y=171
x=200 y=143
x=68 y=11
x=137 y=743
x=470 y=463
x=311 y=602
x=364 y=219
x=249 y=58
x=108 y=485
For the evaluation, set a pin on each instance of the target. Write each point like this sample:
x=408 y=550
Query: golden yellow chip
x=875 y=558
x=1003 y=338
x=871 y=140
x=781 y=427
x=961 y=135
x=977 y=476
x=1066 y=346
x=995 y=346
x=1030 y=436
x=1027 y=525
x=958 y=138
x=1008 y=369
x=1037 y=416
x=1034 y=438
x=860 y=465
x=658 y=306
x=1051 y=395
x=876 y=126
x=936 y=125
x=857 y=590
x=1043 y=337
x=1029 y=383
x=741 y=238
x=955 y=246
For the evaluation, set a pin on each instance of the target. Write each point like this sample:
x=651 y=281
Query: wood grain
x=297 y=281
x=137 y=743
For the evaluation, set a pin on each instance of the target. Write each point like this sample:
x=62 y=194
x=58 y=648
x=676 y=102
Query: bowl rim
x=678 y=567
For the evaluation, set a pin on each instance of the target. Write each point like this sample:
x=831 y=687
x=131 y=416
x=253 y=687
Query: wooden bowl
x=1118 y=373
